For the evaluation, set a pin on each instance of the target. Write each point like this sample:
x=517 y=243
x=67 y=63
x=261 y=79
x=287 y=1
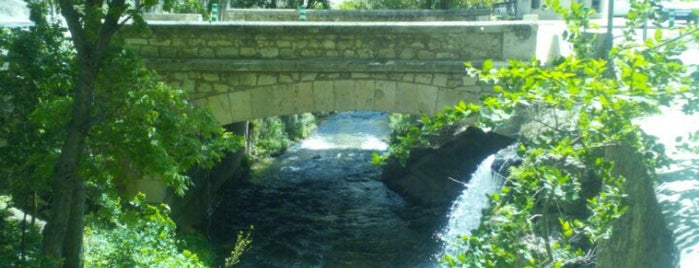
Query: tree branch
x=73 y=18
x=111 y=23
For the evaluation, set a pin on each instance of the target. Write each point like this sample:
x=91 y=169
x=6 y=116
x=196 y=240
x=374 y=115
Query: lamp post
x=609 y=40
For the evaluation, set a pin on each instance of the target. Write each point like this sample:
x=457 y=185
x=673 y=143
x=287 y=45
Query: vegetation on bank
x=419 y=4
x=271 y=136
x=578 y=107
x=80 y=119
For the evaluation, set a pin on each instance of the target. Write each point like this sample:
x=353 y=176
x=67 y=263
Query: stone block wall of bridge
x=245 y=70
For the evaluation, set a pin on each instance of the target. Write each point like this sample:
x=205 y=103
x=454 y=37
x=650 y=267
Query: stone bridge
x=244 y=70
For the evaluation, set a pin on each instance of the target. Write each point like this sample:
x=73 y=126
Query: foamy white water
x=466 y=212
x=341 y=131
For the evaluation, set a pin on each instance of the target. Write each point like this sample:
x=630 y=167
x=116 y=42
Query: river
x=322 y=204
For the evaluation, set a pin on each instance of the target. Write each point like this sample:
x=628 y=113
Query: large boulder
x=435 y=176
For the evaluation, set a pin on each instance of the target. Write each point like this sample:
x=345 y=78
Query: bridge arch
x=236 y=97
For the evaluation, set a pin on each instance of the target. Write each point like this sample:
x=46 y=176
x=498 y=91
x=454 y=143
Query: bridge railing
x=505 y=9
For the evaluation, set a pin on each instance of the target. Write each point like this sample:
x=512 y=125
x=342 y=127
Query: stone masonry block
x=263 y=102
x=241 y=105
x=220 y=88
x=425 y=79
x=426 y=100
x=269 y=52
x=303 y=101
x=342 y=91
x=440 y=80
x=363 y=94
x=323 y=96
x=204 y=88
x=136 y=41
x=284 y=99
x=447 y=98
x=189 y=52
x=360 y=75
x=219 y=43
x=210 y=77
x=248 y=79
x=406 y=97
x=220 y=107
x=266 y=79
x=385 y=95
x=227 y=52
x=247 y=52
x=159 y=42
x=468 y=80
x=206 y=52
x=149 y=51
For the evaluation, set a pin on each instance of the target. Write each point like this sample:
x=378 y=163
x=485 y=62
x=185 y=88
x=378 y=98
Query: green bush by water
x=133 y=234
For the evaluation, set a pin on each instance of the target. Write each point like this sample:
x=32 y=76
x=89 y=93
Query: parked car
x=683 y=10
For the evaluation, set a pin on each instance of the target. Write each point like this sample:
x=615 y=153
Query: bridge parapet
x=375 y=41
x=235 y=14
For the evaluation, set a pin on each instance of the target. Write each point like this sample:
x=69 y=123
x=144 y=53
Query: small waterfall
x=466 y=212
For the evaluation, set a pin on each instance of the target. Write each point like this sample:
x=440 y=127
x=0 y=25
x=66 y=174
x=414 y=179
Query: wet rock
x=505 y=159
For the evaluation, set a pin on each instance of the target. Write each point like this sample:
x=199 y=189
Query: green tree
x=421 y=4
x=309 y=4
x=576 y=110
x=94 y=113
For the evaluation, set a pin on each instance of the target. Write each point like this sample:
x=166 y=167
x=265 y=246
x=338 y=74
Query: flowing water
x=322 y=204
x=466 y=212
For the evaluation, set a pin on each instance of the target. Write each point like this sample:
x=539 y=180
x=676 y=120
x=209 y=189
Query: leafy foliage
x=242 y=244
x=421 y=4
x=133 y=126
x=271 y=136
x=185 y=6
x=38 y=68
x=309 y=4
x=139 y=235
x=299 y=126
x=576 y=110
x=20 y=239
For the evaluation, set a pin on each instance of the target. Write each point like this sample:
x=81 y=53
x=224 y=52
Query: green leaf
x=658 y=34
x=487 y=66
x=566 y=228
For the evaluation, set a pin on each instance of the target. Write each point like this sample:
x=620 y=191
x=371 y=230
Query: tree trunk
x=444 y=4
x=68 y=197
x=91 y=31
x=73 y=244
